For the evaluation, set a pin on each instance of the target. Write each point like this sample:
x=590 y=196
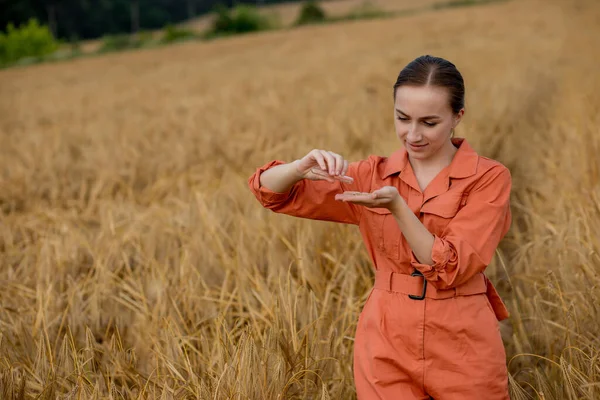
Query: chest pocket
x=385 y=232
x=437 y=213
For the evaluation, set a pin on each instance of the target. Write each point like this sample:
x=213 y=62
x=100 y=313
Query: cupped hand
x=323 y=165
x=385 y=197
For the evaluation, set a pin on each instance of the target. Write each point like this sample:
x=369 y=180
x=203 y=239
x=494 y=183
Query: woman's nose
x=413 y=134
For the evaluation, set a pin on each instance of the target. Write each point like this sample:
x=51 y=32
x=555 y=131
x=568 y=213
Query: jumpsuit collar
x=463 y=165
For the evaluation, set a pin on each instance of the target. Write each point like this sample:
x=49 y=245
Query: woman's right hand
x=323 y=165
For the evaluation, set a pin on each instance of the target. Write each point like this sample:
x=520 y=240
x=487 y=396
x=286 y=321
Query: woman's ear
x=458 y=117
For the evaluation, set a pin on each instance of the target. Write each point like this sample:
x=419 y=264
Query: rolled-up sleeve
x=314 y=199
x=467 y=244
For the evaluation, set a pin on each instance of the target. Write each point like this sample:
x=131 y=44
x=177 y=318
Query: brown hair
x=434 y=71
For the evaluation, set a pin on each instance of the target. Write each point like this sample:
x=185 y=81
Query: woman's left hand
x=385 y=197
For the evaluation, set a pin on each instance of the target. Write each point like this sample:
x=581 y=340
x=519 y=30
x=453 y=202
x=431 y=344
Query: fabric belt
x=413 y=285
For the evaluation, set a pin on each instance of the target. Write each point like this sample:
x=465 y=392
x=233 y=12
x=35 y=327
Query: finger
x=356 y=197
x=333 y=166
x=381 y=193
x=384 y=192
x=339 y=163
x=325 y=175
x=322 y=174
x=341 y=196
x=330 y=161
x=347 y=197
x=353 y=193
x=365 y=203
x=345 y=179
x=319 y=171
x=318 y=157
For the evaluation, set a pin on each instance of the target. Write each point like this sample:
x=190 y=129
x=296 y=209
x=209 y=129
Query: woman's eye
x=430 y=123
x=402 y=118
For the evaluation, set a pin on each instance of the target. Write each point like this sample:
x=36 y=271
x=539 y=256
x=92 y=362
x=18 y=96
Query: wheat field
x=135 y=263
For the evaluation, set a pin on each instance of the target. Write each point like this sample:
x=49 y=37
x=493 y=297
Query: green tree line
x=88 y=19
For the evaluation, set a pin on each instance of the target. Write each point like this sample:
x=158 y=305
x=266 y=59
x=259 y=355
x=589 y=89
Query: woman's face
x=424 y=120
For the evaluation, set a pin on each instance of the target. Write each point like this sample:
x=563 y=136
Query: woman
x=431 y=216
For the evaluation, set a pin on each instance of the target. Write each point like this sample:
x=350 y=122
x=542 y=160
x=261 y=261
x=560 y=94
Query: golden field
x=135 y=262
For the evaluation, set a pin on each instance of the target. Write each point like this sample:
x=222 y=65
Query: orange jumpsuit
x=445 y=344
